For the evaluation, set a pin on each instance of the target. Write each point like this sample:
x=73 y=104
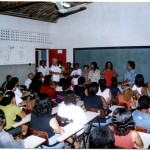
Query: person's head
x=101 y=137
x=86 y=68
x=131 y=65
x=66 y=84
x=92 y=89
x=8 y=77
x=81 y=80
x=144 y=102
x=12 y=84
x=42 y=63
x=109 y=65
x=8 y=98
x=30 y=76
x=42 y=105
x=38 y=76
x=76 y=66
x=102 y=83
x=94 y=66
x=122 y=121
x=54 y=62
x=139 y=80
x=48 y=80
x=68 y=65
x=70 y=98
x=114 y=81
x=2 y=119
x=127 y=92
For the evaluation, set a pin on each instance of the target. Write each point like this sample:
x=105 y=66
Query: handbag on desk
x=62 y=121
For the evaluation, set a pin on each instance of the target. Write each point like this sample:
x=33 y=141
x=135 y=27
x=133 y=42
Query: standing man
x=42 y=68
x=75 y=74
x=55 y=71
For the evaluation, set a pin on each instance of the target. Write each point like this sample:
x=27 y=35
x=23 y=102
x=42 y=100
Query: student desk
x=33 y=141
x=145 y=138
x=23 y=121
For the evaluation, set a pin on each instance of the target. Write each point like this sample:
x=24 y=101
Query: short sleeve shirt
x=130 y=75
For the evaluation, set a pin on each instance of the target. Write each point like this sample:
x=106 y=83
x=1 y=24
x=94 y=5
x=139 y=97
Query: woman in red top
x=48 y=87
x=123 y=127
x=109 y=72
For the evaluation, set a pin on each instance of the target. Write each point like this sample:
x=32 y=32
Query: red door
x=60 y=54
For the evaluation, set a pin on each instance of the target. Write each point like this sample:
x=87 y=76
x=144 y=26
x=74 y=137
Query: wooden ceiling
x=44 y=11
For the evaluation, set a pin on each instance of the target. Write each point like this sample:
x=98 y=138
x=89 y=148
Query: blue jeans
x=52 y=141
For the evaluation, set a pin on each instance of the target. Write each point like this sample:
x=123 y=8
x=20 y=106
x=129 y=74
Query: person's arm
x=110 y=97
x=105 y=106
x=102 y=72
x=133 y=104
x=22 y=114
x=54 y=124
x=115 y=73
x=144 y=91
x=138 y=143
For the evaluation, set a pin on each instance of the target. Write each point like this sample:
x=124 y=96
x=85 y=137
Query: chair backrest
x=102 y=113
x=141 y=129
x=41 y=134
x=123 y=104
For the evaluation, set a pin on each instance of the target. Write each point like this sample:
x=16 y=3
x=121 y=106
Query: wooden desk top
x=33 y=141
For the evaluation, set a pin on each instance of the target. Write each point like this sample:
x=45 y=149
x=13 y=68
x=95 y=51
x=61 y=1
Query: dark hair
x=30 y=75
x=114 y=82
x=132 y=64
x=42 y=104
x=47 y=80
x=12 y=83
x=139 y=80
x=8 y=77
x=144 y=102
x=86 y=66
x=41 y=61
x=2 y=117
x=95 y=65
x=102 y=83
x=101 y=137
x=70 y=98
x=122 y=121
x=92 y=89
x=109 y=62
x=7 y=99
x=81 y=80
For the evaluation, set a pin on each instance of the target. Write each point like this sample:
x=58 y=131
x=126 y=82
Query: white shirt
x=135 y=88
x=56 y=77
x=18 y=95
x=76 y=72
x=105 y=93
x=73 y=112
x=43 y=70
x=27 y=83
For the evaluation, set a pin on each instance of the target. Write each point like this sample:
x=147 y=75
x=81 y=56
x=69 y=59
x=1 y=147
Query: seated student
x=123 y=128
x=29 y=80
x=41 y=119
x=8 y=78
x=101 y=138
x=104 y=91
x=6 y=139
x=79 y=89
x=114 y=89
x=138 y=88
x=8 y=105
x=141 y=117
x=127 y=97
x=85 y=73
x=48 y=87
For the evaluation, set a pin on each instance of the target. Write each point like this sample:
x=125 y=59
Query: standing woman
x=109 y=72
x=94 y=73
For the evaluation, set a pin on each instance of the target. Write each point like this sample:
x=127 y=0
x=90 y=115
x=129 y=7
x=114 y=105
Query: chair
x=141 y=129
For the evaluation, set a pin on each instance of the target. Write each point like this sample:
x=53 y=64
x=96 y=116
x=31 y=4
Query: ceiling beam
x=6 y=6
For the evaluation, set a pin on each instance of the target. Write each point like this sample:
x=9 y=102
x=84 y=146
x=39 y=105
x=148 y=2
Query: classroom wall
x=15 y=56
x=104 y=25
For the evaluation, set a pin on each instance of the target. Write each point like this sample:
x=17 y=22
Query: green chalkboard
x=119 y=56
